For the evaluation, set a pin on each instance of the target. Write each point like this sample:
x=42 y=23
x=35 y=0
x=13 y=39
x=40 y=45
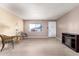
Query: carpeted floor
x=38 y=47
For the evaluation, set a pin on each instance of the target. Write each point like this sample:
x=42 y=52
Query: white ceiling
x=39 y=11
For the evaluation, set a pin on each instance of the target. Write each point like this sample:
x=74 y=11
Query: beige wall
x=8 y=23
x=43 y=34
x=69 y=23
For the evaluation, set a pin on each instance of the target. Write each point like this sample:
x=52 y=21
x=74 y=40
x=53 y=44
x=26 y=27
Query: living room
x=43 y=24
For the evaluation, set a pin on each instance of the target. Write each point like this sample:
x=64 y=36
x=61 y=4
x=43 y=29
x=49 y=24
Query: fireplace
x=71 y=41
x=68 y=41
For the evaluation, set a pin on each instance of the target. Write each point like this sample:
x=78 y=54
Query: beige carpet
x=38 y=47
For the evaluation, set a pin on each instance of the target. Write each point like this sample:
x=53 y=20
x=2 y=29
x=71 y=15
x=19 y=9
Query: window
x=35 y=27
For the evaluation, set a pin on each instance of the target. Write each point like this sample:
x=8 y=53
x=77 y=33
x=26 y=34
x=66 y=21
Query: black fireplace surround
x=71 y=40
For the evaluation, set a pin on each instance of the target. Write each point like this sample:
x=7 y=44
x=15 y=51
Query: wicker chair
x=7 y=39
x=23 y=35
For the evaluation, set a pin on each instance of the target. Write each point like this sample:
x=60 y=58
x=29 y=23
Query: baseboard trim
x=59 y=39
